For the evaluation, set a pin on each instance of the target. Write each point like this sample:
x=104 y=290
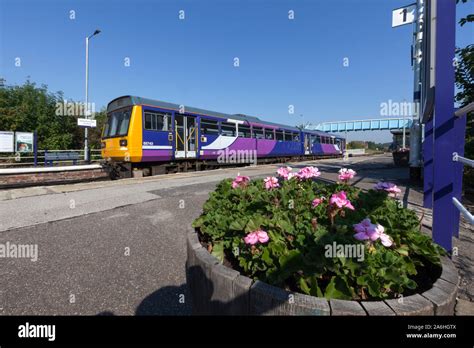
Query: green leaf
x=304 y=286
x=338 y=289
x=218 y=251
x=266 y=257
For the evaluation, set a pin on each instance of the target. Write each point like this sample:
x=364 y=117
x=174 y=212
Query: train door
x=185 y=135
x=307 y=144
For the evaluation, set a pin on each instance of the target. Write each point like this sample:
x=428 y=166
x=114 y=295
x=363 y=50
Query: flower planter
x=218 y=290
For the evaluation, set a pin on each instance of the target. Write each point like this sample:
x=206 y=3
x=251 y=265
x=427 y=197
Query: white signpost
x=403 y=15
x=6 y=141
x=86 y=122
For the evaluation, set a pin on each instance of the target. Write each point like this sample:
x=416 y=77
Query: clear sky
x=190 y=61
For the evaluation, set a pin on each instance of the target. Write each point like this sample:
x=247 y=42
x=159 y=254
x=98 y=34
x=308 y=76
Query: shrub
x=299 y=234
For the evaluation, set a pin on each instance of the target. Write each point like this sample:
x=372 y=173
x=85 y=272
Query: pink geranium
x=255 y=237
x=366 y=230
x=340 y=200
x=240 y=181
x=346 y=174
x=271 y=182
x=308 y=173
x=388 y=187
x=251 y=238
x=318 y=201
x=284 y=172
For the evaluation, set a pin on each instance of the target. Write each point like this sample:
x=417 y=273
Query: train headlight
x=123 y=142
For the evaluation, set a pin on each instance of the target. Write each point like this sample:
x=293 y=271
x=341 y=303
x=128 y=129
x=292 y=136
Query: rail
x=20 y=160
x=466 y=161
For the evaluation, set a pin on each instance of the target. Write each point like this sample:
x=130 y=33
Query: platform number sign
x=403 y=15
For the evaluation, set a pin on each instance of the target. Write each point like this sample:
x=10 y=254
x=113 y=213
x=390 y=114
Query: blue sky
x=282 y=62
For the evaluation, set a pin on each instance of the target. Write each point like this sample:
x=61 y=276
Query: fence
x=465 y=161
x=19 y=160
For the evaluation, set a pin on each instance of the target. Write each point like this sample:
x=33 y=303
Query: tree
x=465 y=83
x=28 y=108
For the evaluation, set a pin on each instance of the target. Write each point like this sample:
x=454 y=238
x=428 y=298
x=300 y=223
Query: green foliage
x=299 y=235
x=28 y=108
x=465 y=94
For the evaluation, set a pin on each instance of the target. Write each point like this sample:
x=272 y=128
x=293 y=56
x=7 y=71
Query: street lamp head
x=97 y=31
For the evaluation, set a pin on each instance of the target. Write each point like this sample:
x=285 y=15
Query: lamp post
x=86 y=140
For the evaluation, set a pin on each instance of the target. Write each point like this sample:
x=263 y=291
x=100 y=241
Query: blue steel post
x=444 y=134
x=428 y=165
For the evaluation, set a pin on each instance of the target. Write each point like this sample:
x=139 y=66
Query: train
x=158 y=137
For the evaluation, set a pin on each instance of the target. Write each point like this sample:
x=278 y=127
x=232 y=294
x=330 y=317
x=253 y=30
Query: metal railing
x=20 y=160
x=466 y=161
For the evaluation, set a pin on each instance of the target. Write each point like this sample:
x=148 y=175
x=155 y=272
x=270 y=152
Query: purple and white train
x=160 y=137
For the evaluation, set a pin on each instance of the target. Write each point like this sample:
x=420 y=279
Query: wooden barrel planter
x=218 y=290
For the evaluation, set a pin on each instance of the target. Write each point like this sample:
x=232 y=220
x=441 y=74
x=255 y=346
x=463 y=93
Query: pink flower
x=251 y=238
x=318 y=201
x=262 y=236
x=284 y=172
x=256 y=236
x=346 y=174
x=308 y=173
x=388 y=187
x=366 y=230
x=240 y=181
x=271 y=182
x=340 y=200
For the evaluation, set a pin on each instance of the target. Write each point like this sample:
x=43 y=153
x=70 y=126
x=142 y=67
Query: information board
x=6 y=141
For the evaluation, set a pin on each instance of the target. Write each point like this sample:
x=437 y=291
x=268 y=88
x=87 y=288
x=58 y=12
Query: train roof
x=129 y=100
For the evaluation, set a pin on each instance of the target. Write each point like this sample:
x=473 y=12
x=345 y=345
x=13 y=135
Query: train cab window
x=279 y=135
x=296 y=137
x=314 y=139
x=318 y=139
x=209 y=127
x=228 y=129
x=117 y=123
x=244 y=131
x=157 y=121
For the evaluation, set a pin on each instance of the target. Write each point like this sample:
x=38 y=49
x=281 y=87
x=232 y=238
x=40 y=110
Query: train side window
x=258 y=132
x=244 y=131
x=228 y=129
x=269 y=134
x=279 y=135
x=209 y=127
x=296 y=137
x=157 y=121
x=148 y=122
x=314 y=139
